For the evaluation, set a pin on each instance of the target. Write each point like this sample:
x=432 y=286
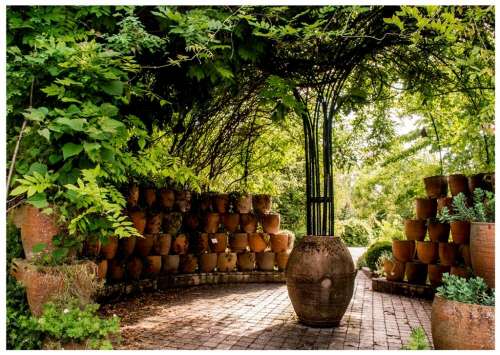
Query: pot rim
x=487 y=223
x=435 y=176
x=436 y=296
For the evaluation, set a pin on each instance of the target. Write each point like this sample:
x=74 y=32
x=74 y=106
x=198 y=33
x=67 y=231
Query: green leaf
x=21 y=189
x=38 y=167
x=38 y=200
x=71 y=149
x=39 y=247
x=45 y=133
x=114 y=88
x=75 y=124
x=36 y=114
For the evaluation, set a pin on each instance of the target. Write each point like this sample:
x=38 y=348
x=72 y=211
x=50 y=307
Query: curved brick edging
x=164 y=282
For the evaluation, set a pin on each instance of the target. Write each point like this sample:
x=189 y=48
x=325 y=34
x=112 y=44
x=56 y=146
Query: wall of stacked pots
x=184 y=232
x=428 y=251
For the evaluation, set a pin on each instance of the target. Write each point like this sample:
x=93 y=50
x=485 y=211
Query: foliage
x=73 y=324
x=389 y=229
x=418 y=340
x=361 y=262
x=473 y=290
x=482 y=210
x=384 y=256
x=355 y=232
x=374 y=252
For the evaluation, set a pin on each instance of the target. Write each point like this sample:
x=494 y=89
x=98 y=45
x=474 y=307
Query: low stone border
x=119 y=290
x=380 y=284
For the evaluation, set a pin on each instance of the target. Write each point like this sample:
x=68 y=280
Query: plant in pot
x=481 y=218
x=463 y=314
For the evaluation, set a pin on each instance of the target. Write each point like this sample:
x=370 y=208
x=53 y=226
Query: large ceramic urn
x=320 y=279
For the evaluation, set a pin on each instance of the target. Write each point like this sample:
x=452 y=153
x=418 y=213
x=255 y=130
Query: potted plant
x=463 y=315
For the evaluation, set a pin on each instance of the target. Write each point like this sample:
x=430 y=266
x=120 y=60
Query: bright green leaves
x=72 y=124
x=36 y=114
x=35 y=185
x=395 y=20
x=71 y=149
x=113 y=88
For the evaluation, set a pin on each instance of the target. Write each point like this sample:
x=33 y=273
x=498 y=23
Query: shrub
x=355 y=232
x=361 y=262
x=389 y=229
x=374 y=251
x=418 y=340
x=473 y=290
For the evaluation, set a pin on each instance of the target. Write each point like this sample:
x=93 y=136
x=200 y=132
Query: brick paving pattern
x=260 y=316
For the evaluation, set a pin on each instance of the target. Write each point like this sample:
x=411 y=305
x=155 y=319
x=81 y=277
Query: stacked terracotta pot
x=184 y=232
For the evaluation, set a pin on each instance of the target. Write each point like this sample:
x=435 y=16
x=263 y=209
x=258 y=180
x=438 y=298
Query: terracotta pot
x=139 y=220
x=201 y=243
x=205 y=202
x=127 y=245
x=435 y=272
x=170 y=264
x=258 y=242
x=460 y=232
x=320 y=280
x=415 y=229
x=167 y=198
x=265 y=260
x=427 y=252
x=134 y=268
x=153 y=225
x=279 y=242
x=212 y=221
x=438 y=232
x=238 y=242
x=152 y=266
x=191 y=221
x=447 y=253
x=149 y=196
x=416 y=272
x=248 y=222
x=262 y=203
x=162 y=244
x=36 y=228
x=461 y=326
x=231 y=222
x=221 y=203
x=208 y=262
x=282 y=260
x=108 y=249
x=459 y=271
x=246 y=261
x=172 y=222
x=218 y=242
x=436 y=186
x=183 y=201
x=478 y=181
x=102 y=269
x=464 y=251
x=180 y=244
x=92 y=247
x=403 y=250
x=489 y=181
x=425 y=208
x=394 y=270
x=133 y=196
x=270 y=222
x=482 y=251
x=443 y=202
x=144 y=245
x=116 y=270
x=226 y=262
x=243 y=203
x=458 y=183
x=291 y=241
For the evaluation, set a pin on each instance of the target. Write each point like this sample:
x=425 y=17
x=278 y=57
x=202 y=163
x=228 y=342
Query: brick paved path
x=260 y=316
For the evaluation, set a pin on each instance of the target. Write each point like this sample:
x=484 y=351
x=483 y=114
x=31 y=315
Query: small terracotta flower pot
x=394 y=270
x=459 y=271
x=218 y=242
x=180 y=244
x=226 y=262
x=153 y=224
x=134 y=268
x=265 y=260
x=482 y=251
x=116 y=270
x=258 y=242
x=436 y=186
x=435 y=272
x=231 y=222
x=149 y=196
x=102 y=269
x=205 y=202
x=427 y=252
x=438 y=232
x=447 y=253
x=460 y=232
x=191 y=221
x=425 y=208
x=243 y=203
x=238 y=242
x=92 y=247
x=144 y=245
x=248 y=222
x=212 y=221
x=464 y=251
x=270 y=222
x=188 y=263
x=139 y=220
x=246 y=261
x=458 y=183
x=262 y=203
x=170 y=264
x=282 y=260
x=477 y=181
x=415 y=229
x=416 y=273
x=208 y=262
x=127 y=245
x=109 y=248
x=279 y=242
x=133 y=196
x=202 y=245
x=403 y=250
x=172 y=222
x=162 y=244
x=167 y=198
x=221 y=203
x=152 y=266
x=183 y=201
x=443 y=202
